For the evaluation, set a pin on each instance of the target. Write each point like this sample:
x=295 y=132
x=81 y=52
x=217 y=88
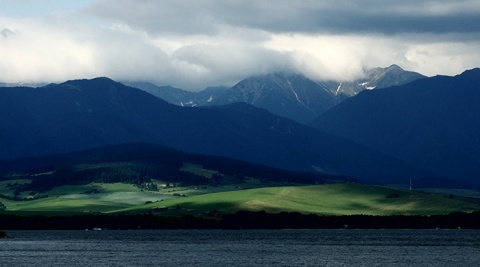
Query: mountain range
x=82 y=114
x=426 y=130
x=289 y=95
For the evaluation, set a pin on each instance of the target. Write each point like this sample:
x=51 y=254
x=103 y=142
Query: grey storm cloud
x=368 y=16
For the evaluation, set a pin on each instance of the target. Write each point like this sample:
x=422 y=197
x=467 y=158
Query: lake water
x=242 y=248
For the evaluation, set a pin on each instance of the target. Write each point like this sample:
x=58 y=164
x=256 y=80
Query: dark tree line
x=240 y=220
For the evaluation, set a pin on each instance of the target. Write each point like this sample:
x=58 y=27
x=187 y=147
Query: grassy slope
x=73 y=199
x=332 y=199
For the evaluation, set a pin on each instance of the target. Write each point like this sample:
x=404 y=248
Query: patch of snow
x=363 y=84
x=210 y=99
x=191 y=103
x=338 y=88
x=293 y=91
x=370 y=87
x=296 y=95
x=324 y=87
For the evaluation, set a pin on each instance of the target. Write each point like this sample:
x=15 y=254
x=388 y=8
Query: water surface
x=242 y=248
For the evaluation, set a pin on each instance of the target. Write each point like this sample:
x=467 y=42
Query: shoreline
x=240 y=220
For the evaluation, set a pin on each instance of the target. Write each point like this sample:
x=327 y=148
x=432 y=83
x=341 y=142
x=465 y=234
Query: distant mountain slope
x=288 y=95
x=178 y=96
x=301 y=99
x=84 y=114
x=291 y=96
x=377 y=78
x=432 y=123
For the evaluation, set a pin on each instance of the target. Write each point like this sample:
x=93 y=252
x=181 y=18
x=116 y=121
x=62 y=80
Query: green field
x=91 y=198
x=329 y=199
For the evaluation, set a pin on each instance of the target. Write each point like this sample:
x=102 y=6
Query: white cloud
x=38 y=52
x=444 y=57
x=194 y=44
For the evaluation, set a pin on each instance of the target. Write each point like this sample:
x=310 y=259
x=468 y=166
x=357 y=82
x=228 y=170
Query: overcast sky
x=193 y=44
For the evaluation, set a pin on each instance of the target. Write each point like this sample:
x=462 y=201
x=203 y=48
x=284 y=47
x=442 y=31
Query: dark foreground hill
x=432 y=123
x=140 y=163
x=83 y=114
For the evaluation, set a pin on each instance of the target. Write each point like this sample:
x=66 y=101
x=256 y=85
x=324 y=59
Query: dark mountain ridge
x=432 y=123
x=74 y=115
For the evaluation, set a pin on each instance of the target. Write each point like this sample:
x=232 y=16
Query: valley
x=95 y=182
